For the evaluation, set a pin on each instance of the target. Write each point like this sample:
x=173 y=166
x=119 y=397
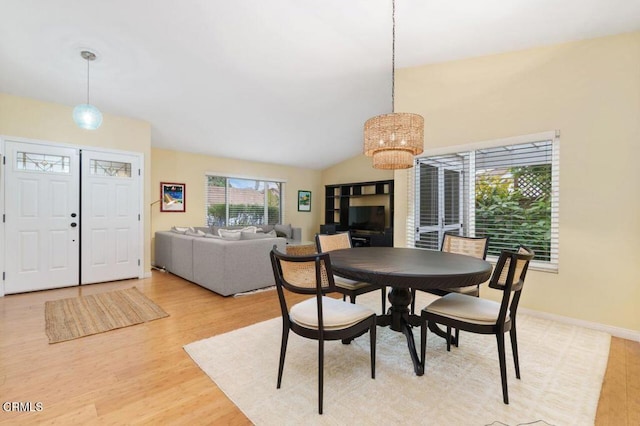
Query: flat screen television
x=366 y=218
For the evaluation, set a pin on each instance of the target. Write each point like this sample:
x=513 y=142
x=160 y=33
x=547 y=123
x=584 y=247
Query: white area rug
x=562 y=369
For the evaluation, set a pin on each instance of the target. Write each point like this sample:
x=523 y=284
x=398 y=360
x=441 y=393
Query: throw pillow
x=195 y=233
x=236 y=231
x=285 y=229
x=179 y=230
x=266 y=228
x=229 y=235
x=212 y=236
x=222 y=232
x=254 y=235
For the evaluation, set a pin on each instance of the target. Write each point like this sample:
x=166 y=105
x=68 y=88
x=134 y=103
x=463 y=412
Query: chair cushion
x=466 y=308
x=349 y=284
x=336 y=313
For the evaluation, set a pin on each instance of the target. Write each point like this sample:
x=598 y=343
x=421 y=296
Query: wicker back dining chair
x=469 y=246
x=477 y=315
x=327 y=243
x=320 y=317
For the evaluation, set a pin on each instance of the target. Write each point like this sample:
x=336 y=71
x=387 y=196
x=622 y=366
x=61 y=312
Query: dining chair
x=470 y=246
x=483 y=316
x=321 y=318
x=327 y=243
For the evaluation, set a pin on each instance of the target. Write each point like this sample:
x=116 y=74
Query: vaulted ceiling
x=282 y=81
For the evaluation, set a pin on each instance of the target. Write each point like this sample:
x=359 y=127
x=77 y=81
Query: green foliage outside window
x=516 y=208
x=217 y=181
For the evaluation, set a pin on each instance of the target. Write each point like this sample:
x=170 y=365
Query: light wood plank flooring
x=141 y=374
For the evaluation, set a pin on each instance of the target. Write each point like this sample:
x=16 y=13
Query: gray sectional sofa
x=220 y=265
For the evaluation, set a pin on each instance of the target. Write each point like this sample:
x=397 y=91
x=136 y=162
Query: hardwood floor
x=141 y=374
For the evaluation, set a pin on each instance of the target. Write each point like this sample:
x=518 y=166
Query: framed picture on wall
x=172 y=196
x=304 y=201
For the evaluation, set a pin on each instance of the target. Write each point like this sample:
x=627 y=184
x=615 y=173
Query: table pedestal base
x=399 y=318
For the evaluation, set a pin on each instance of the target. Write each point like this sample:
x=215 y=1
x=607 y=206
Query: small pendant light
x=86 y=116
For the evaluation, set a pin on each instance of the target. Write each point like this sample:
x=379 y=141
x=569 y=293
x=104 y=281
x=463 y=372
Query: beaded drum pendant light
x=394 y=139
x=87 y=116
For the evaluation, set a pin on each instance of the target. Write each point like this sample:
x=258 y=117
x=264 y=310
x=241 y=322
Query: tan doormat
x=68 y=319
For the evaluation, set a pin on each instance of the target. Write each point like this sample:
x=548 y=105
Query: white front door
x=110 y=216
x=41 y=217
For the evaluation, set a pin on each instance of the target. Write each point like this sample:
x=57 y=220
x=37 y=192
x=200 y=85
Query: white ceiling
x=280 y=81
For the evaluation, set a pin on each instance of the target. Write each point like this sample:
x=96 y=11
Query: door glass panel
x=428 y=240
x=109 y=168
x=46 y=163
x=451 y=197
x=428 y=195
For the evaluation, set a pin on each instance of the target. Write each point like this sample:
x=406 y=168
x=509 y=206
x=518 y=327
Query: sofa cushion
x=179 y=230
x=265 y=228
x=230 y=235
x=284 y=229
x=227 y=232
x=256 y=235
x=215 y=230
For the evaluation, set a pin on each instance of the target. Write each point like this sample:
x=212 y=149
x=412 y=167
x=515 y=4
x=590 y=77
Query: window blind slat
x=239 y=201
x=510 y=194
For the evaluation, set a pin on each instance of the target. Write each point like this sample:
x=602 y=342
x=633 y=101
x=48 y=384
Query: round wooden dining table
x=406 y=268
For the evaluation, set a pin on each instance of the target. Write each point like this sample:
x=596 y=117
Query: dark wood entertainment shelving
x=338 y=200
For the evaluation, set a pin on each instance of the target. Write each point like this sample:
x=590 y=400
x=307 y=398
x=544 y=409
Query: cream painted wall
x=182 y=167
x=32 y=119
x=356 y=169
x=588 y=90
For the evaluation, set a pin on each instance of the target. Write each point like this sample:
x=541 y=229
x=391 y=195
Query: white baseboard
x=614 y=331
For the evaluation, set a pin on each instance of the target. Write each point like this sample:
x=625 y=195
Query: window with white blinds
x=509 y=193
x=239 y=201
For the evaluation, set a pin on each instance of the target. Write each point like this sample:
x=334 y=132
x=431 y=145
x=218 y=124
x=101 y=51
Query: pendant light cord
x=88 y=103
x=393 y=56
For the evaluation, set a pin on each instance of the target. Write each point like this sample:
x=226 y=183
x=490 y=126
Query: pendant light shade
x=87 y=116
x=394 y=139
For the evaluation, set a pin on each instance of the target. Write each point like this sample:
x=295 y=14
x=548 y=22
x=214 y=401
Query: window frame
x=264 y=180
x=413 y=197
